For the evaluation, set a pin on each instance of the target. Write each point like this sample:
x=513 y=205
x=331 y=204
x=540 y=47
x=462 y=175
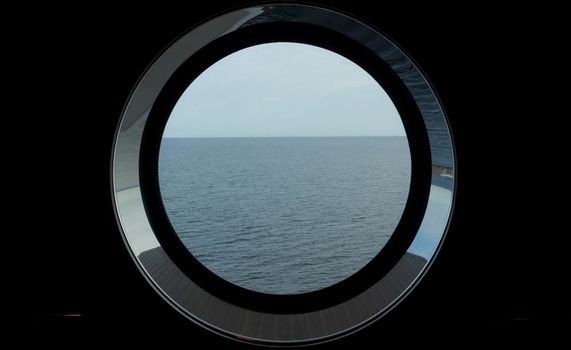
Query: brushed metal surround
x=234 y=321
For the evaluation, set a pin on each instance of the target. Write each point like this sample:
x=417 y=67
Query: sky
x=284 y=90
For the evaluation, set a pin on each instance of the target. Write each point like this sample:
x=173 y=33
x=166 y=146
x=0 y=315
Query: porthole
x=272 y=180
x=199 y=169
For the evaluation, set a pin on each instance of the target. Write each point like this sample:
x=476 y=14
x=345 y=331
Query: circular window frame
x=337 y=292
x=247 y=315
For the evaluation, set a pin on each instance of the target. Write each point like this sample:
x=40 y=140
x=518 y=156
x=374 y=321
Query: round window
x=284 y=168
x=283 y=174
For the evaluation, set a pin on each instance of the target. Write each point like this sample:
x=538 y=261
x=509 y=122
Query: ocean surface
x=284 y=215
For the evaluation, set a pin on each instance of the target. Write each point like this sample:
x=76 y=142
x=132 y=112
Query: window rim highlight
x=286 y=329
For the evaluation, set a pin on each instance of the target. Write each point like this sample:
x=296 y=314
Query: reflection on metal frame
x=232 y=320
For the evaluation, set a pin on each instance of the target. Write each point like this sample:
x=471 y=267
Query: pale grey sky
x=284 y=89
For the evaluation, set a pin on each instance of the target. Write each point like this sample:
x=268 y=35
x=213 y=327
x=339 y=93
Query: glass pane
x=284 y=168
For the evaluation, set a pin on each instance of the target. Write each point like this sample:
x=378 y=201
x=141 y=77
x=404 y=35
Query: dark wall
x=500 y=268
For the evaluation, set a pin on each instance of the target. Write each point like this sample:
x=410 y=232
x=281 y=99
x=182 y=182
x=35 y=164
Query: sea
x=284 y=215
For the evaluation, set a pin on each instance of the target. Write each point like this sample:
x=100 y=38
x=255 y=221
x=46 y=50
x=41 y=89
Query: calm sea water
x=284 y=215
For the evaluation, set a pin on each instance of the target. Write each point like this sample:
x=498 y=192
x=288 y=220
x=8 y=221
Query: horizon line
x=266 y=137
